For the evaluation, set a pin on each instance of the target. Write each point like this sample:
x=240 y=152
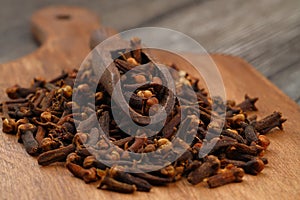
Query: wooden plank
x=279 y=56
x=24 y=179
x=137 y=12
x=288 y=80
x=265 y=33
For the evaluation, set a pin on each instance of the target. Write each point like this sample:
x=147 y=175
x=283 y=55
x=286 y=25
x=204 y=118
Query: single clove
x=229 y=175
x=208 y=168
x=26 y=135
x=55 y=155
x=88 y=175
x=109 y=183
x=266 y=124
x=141 y=184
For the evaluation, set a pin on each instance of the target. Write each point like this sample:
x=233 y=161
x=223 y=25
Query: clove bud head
x=9 y=126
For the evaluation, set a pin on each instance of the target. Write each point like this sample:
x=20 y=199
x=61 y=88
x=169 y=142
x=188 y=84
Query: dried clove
x=250 y=134
x=251 y=150
x=141 y=184
x=88 y=175
x=263 y=141
x=153 y=180
x=9 y=126
x=228 y=175
x=237 y=163
x=26 y=134
x=248 y=104
x=268 y=123
x=208 y=168
x=55 y=155
x=254 y=166
x=109 y=183
x=234 y=134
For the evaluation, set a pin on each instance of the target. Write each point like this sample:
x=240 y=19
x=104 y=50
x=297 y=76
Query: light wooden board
x=23 y=178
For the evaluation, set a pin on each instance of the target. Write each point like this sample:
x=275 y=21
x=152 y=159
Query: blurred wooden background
x=266 y=33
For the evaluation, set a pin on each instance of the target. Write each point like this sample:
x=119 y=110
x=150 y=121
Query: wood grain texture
x=266 y=33
x=22 y=178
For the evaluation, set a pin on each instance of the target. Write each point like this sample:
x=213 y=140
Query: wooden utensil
x=64 y=33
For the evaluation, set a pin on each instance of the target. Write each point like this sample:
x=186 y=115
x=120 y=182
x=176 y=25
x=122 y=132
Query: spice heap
x=44 y=116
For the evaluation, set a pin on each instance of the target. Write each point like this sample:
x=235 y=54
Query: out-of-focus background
x=266 y=33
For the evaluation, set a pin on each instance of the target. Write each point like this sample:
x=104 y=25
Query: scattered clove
x=26 y=134
x=88 y=175
x=228 y=175
x=248 y=104
x=56 y=155
x=153 y=180
x=109 y=183
x=268 y=123
x=254 y=166
x=141 y=184
x=208 y=168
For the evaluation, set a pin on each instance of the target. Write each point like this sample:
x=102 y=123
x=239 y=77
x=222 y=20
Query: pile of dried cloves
x=55 y=127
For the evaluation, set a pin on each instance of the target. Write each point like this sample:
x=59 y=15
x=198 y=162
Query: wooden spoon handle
x=64 y=34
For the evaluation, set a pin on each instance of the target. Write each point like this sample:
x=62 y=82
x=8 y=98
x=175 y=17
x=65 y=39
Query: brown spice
x=208 y=168
x=43 y=119
x=228 y=175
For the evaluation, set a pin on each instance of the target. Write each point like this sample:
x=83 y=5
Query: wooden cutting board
x=64 y=33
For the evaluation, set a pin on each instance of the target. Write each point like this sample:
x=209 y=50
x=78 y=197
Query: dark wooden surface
x=266 y=33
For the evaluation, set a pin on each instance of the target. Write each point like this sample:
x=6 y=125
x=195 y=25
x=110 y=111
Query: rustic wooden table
x=266 y=33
